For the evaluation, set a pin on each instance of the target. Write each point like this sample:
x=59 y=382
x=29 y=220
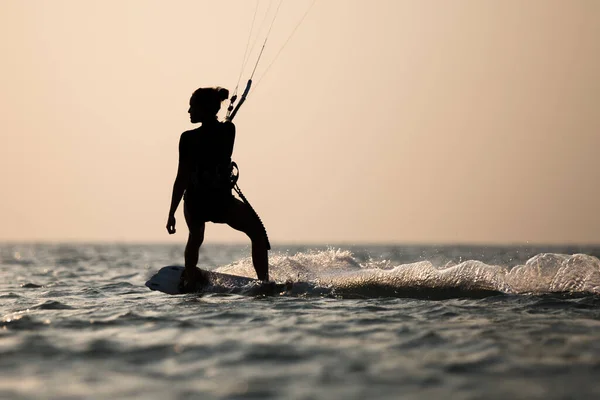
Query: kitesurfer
x=204 y=176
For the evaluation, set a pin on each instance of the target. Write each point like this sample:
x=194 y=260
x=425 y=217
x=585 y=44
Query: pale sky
x=464 y=121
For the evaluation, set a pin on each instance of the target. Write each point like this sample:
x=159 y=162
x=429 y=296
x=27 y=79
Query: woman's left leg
x=241 y=218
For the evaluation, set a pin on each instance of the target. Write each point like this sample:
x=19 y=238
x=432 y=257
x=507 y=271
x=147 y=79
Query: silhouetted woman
x=204 y=175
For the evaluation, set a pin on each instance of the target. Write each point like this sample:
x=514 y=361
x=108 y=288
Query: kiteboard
x=168 y=280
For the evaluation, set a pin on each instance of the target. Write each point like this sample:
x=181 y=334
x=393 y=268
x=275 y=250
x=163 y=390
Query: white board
x=167 y=280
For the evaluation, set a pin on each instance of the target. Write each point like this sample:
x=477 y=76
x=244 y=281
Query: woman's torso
x=206 y=152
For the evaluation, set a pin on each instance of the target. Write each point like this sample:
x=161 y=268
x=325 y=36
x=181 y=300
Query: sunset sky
x=425 y=121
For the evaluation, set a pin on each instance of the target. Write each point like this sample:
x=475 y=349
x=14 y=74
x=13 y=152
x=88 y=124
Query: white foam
x=339 y=269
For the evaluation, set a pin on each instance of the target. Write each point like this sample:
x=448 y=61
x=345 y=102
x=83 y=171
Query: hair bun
x=223 y=93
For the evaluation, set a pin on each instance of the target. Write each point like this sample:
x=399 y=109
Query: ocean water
x=377 y=322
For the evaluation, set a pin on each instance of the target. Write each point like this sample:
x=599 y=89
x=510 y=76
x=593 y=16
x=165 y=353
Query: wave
x=338 y=273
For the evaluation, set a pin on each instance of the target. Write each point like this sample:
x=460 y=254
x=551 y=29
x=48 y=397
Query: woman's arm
x=181 y=181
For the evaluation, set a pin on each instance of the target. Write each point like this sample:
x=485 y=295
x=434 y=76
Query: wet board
x=167 y=279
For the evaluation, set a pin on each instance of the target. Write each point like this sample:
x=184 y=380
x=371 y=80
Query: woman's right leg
x=192 y=248
x=241 y=218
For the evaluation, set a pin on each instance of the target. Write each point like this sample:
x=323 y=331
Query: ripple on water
x=31 y=286
x=422 y=339
x=23 y=322
x=116 y=286
x=10 y=295
x=51 y=305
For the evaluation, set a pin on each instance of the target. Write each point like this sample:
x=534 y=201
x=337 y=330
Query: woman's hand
x=171 y=224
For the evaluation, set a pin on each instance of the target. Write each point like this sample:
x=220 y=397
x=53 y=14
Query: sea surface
x=357 y=322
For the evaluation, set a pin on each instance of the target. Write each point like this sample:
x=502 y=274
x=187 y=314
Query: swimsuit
x=206 y=151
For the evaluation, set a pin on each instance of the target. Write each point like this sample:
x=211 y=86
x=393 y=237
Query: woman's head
x=205 y=103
